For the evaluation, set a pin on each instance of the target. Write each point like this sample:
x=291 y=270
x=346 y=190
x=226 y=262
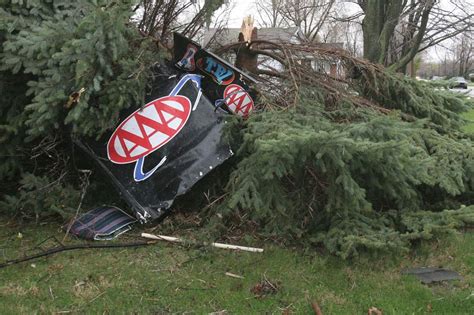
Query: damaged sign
x=160 y=149
x=223 y=84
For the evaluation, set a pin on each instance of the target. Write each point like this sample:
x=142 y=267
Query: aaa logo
x=238 y=100
x=148 y=129
x=151 y=127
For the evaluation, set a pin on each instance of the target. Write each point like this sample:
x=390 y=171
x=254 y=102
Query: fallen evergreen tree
x=369 y=162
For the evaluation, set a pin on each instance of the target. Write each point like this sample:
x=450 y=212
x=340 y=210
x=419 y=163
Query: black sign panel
x=161 y=149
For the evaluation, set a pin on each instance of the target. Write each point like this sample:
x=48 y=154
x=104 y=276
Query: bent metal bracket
x=160 y=149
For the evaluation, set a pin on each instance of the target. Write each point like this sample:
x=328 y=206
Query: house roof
x=231 y=35
x=220 y=37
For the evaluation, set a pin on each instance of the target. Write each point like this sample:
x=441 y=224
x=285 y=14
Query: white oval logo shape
x=238 y=100
x=148 y=129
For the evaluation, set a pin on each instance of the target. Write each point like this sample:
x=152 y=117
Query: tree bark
x=381 y=18
x=403 y=62
x=379 y=24
x=372 y=25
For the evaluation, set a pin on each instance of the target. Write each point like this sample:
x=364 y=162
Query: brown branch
x=272 y=73
x=269 y=54
x=61 y=248
x=316 y=308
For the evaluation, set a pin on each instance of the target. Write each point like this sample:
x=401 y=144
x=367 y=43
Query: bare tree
x=159 y=18
x=455 y=57
x=308 y=15
x=269 y=13
x=463 y=52
x=342 y=26
x=395 y=31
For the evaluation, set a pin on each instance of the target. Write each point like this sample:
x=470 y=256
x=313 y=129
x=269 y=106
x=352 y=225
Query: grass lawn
x=166 y=278
x=469 y=116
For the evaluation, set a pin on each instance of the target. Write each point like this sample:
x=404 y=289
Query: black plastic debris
x=429 y=274
x=161 y=148
x=102 y=223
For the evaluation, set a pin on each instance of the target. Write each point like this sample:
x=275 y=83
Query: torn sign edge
x=142 y=214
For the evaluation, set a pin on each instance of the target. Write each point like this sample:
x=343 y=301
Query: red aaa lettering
x=238 y=100
x=148 y=129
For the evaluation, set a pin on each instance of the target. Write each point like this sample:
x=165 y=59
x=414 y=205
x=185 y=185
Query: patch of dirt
x=13 y=289
x=89 y=288
x=332 y=298
x=55 y=268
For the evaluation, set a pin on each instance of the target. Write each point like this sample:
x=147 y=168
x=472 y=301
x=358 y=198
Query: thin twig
x=59 y=249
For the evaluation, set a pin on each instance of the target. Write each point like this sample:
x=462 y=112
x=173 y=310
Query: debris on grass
x=265 y=287
x=101 y=223
x=233 y=275
x=217 y=245
x=429 y=274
